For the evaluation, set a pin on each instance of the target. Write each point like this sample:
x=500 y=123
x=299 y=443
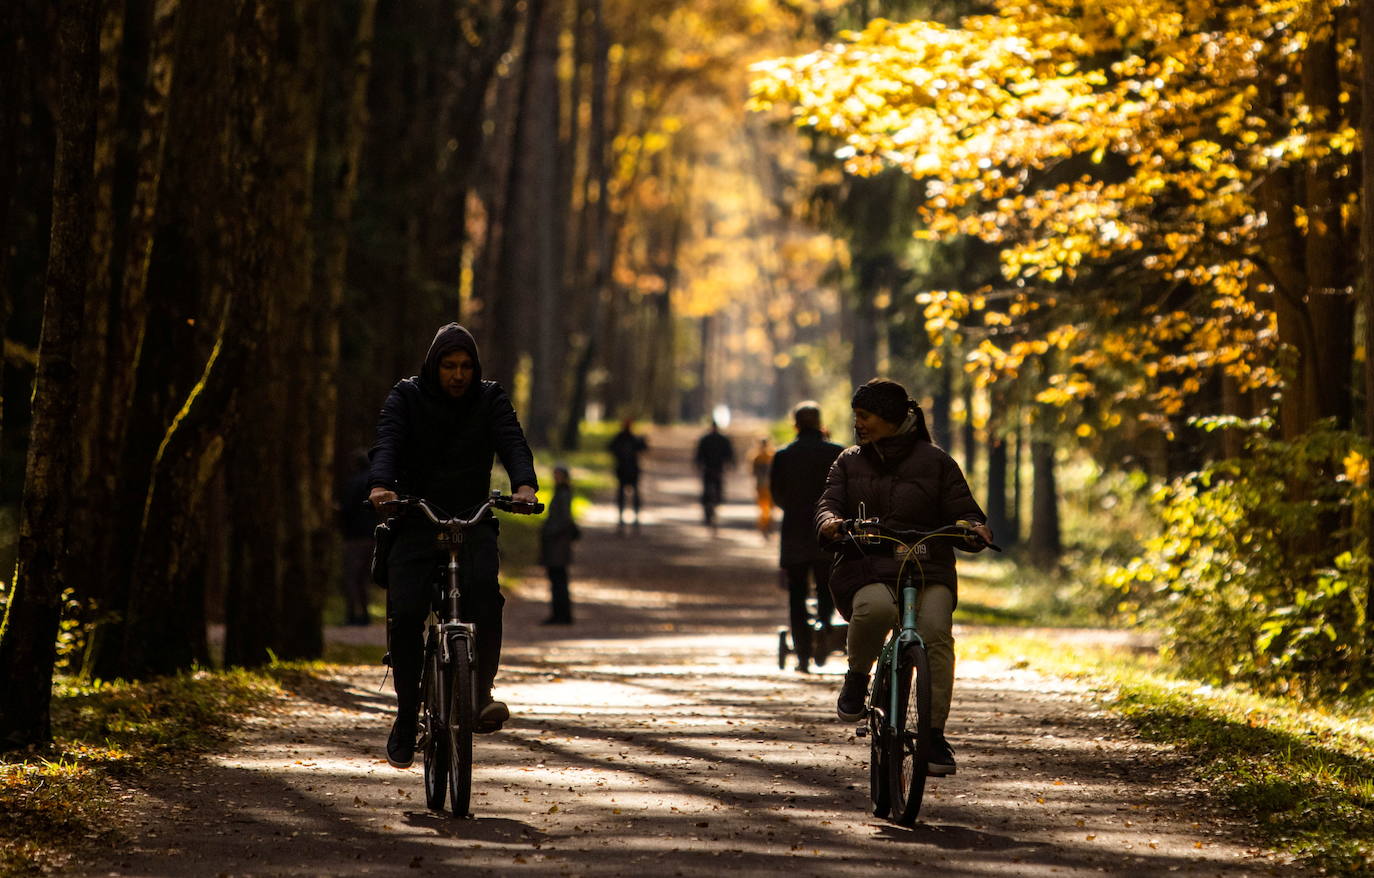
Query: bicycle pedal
x=861 y=732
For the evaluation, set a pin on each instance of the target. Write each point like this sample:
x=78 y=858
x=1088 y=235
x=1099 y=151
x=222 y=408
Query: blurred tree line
x=1160 y=206
x=229 y=227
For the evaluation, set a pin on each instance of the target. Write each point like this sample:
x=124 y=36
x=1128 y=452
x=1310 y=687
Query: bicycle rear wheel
x=908 y=750
x=461 y=718
x=879 y=780
x=433 y=748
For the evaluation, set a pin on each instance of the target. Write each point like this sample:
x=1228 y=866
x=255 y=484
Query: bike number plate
x=916 y=553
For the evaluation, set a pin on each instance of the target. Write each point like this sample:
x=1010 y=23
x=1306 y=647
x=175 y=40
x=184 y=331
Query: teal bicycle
x=897 y=722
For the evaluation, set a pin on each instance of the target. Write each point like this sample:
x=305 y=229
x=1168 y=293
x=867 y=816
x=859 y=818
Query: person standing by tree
x=626 y=448
x=357 y=521
x=556 y=549
x=436 y=439
x=897 y=474
x=796 y=480
x=715 y=454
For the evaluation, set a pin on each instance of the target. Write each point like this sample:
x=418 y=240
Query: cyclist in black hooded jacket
x=436 y=438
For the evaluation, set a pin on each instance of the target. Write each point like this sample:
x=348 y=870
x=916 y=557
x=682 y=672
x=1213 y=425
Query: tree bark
x=123 y=314
x=1045 y=546
x=1366 y=286
x=998 y=518
x=340 y=154
x=525 y=319
x=29 y=633
x=165 y=627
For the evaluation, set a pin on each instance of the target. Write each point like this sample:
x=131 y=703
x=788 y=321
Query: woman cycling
x=901 y=477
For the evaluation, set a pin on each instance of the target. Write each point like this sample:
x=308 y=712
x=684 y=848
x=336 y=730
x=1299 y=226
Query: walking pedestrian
x=714 y=455
x=797 y=479
x=626 y=448
x=762 y=463
x=556 y=550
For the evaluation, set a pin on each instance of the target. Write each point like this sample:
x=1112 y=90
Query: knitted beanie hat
x=886 y=399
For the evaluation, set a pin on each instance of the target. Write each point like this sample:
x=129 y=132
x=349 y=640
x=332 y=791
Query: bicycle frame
x=903 y=636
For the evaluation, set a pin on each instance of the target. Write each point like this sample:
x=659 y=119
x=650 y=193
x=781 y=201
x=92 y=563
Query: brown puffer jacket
x=909 y=485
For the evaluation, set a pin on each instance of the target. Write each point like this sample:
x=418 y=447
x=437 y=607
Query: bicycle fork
x=905 y=636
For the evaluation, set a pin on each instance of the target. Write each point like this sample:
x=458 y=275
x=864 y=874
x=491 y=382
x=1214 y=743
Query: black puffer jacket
x=910 y=485
x=439 y=448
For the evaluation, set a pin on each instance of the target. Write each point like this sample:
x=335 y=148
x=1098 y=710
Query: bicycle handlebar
x=503 y=502
x=859 y=527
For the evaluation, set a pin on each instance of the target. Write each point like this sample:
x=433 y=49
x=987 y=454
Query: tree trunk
x=170 y=286
x=533 y=251
x=165 y=627
x=970 y=430
x=292 y=144
x=29 y=635
x=592 y=249
x=120 y=328
x=338 y=174
x=1045 y=544
x=1366 y=287
x=1328 y=277
x=999 y=520
x=1018 y=462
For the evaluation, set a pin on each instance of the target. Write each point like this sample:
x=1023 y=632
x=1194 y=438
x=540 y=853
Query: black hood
x=448 y=339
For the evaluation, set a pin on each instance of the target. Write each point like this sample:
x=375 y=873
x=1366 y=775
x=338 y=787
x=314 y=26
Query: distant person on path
x=356 y=521
x=436 y=438
x=901 y=477
x=762 y=462
x=797 y=479
x=626 y=448
x=556 y=550
x=715 y=454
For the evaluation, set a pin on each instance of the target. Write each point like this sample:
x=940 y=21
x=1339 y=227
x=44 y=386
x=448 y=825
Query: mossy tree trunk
x=28 y=636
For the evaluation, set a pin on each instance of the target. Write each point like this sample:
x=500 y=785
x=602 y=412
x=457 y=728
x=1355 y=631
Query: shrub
x=1261 y=571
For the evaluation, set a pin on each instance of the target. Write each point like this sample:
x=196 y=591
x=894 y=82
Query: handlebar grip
x=508 y=505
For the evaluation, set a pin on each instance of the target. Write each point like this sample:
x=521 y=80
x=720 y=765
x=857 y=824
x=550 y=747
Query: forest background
x=1115 y=238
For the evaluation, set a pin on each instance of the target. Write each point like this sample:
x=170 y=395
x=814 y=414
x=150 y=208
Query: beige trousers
x=876 y=614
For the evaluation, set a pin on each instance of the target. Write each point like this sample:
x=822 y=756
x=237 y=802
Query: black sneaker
x=850 y=704
x=941 y=762
x=400 y=744
x=491 y=716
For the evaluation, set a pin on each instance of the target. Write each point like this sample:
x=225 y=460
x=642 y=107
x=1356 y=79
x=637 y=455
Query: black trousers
x=415 y=589
x=560 y=599
x=357 y=580
x=798 y=590
x=631 y=487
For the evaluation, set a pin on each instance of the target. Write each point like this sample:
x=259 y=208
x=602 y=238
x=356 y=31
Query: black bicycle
x=448 y=683
x=897 y=721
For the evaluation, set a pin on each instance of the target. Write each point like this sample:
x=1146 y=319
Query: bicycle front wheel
x=908 y=740
x=879 y=777
x=461 y=718
x=433 y=748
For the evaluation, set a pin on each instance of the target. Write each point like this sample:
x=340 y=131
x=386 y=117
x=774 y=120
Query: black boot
x=491 y=714
x=941 y=762
x=850 y=705
x=400 y=744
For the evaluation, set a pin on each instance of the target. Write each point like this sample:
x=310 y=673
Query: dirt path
x=658 y=737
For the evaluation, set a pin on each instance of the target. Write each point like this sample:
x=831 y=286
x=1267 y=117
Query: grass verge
x=105 y=736
x=1301 y=773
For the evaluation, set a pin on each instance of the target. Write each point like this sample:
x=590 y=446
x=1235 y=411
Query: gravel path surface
x=657 y=736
